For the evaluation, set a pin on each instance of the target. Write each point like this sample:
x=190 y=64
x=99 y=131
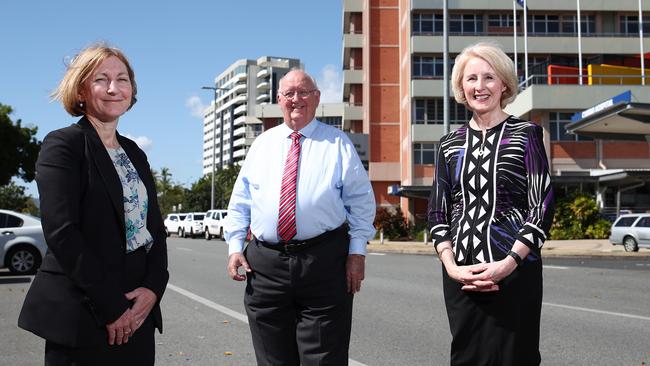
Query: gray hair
x=296 y=69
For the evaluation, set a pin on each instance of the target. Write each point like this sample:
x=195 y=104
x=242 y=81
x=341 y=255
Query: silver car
x=632 y=231
x=22 y=244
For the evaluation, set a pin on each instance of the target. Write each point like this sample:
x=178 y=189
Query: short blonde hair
x=80 y=69
x=498 y=60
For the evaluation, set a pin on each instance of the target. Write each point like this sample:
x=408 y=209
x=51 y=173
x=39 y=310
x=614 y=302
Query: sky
x=175 y=48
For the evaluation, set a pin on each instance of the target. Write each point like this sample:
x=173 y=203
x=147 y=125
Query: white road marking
x=227 y=311
x=185 y=249
x=554 y=267
x=632 y=316
x=376 y=253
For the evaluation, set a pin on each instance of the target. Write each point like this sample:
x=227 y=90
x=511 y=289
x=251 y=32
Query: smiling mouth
x=481 y=97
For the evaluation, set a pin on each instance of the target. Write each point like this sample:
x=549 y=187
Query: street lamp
x=214 y=122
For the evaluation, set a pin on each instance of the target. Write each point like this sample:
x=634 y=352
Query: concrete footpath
x=552 y=248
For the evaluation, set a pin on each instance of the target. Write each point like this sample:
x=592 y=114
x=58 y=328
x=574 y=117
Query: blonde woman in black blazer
x=96 y=298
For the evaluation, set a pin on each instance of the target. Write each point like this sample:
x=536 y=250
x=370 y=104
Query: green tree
x=577 y=217
x=197 y=198
x=18 y=148
x=12 y=197
x=170 y=194
x=224 y=181
x=392 y=223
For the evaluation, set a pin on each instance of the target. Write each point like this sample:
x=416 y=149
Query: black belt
x=294 y=246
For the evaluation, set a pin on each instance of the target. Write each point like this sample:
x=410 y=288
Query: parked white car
x=192 y=225
x=22 y=244
x=213 y=223
x=632 y=231
x=173 y=223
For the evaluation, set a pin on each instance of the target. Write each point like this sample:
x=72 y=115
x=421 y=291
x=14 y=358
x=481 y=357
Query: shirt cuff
x=357 y=246
x=532 y=236
x=235 y=246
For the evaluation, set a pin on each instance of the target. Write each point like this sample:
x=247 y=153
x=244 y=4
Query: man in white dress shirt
x=307 y=200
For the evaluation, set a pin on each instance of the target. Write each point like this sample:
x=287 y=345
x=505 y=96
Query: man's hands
x=355 y=268
x=236 y=260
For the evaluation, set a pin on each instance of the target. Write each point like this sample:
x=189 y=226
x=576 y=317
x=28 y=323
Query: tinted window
x=182 y=217
x=198 y=217
x=7 y=220
x=625 y=221
x=644 y=222
x=223 y=215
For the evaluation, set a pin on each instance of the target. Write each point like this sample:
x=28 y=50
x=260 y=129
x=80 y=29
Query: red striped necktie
x=287 y=212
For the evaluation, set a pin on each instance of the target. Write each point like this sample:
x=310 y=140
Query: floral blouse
x=135 y=201
x=490 y=191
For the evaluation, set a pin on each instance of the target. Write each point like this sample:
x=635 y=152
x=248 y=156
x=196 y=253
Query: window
x=426 y=23
x=643 y=222
x=568 y=24
x=558 y=122
x=7 y=220
x=501 y=20
x=625 y=221
x=630 y=24
x=332 y=121
x=425 y=153
x=466 y=23
x=428 y=66
x=544 y=24
x=431 y=111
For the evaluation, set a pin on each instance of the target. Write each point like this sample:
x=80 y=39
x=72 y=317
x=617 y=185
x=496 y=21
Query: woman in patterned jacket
x=96 y=298
x=490 y=210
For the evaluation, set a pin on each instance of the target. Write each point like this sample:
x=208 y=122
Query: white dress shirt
x=332 y=187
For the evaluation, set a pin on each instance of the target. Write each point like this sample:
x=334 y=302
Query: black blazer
x=85 y=273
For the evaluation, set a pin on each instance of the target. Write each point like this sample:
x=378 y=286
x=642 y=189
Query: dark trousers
x=298 y=307
x=496 y=328
x=139 y=351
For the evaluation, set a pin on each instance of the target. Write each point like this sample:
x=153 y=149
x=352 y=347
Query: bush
x=392 y=223
x=577 y=217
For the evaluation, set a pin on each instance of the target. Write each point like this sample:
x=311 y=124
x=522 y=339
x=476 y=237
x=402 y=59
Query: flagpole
x=445 y=66
x=641 y=45
x=514 y=32
x=580 y=44
x=526 y=41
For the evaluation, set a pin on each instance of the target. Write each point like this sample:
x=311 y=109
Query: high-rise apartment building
x=393 y=69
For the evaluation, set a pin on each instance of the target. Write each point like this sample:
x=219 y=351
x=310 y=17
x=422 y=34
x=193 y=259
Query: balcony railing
x=588 y=80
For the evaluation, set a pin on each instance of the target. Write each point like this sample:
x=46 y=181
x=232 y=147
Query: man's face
x=298 y=98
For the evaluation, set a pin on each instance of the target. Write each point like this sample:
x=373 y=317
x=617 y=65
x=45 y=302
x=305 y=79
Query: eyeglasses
x=302 y=94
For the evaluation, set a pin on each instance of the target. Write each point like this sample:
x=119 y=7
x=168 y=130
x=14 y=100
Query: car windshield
x=198 y=217
x=182 y=217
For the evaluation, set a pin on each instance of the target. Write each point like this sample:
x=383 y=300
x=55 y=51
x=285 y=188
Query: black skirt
x=496 y=328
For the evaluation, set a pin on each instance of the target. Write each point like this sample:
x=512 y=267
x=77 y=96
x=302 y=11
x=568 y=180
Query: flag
x=521 y=3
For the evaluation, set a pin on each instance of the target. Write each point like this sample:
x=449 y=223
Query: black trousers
x=298 y=307
x=139 y=351
x=496 y=328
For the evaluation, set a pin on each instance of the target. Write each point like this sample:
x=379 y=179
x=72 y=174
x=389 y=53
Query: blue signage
x=624 y=97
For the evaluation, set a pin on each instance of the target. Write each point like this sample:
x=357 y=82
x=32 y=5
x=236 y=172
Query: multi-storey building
x=245 y=97
x=393 y=69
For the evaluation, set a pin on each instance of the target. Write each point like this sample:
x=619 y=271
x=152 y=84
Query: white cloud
x=196 y=106
x=330 y=84
x=144 y=142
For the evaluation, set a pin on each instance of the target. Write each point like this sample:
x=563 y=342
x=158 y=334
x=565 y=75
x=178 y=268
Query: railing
x=553 y=79
x=530 y=34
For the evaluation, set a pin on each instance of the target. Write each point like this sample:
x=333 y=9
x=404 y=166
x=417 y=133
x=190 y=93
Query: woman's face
x=107 y=92
x=482 y=86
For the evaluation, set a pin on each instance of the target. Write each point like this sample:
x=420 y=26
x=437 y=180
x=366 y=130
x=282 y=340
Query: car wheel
x=221 y=234
x=630 y=244
x=207 y=234
x=167 y=232
x=23 y=260
x=192 y=233
x=180 y=232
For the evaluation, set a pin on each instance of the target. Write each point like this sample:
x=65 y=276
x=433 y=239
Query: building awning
x=409 y=191
x=622 y=121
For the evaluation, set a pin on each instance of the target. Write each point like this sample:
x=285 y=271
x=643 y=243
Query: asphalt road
x=595 y=312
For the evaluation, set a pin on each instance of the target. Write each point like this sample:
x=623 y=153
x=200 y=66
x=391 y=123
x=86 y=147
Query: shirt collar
x=306 y=131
